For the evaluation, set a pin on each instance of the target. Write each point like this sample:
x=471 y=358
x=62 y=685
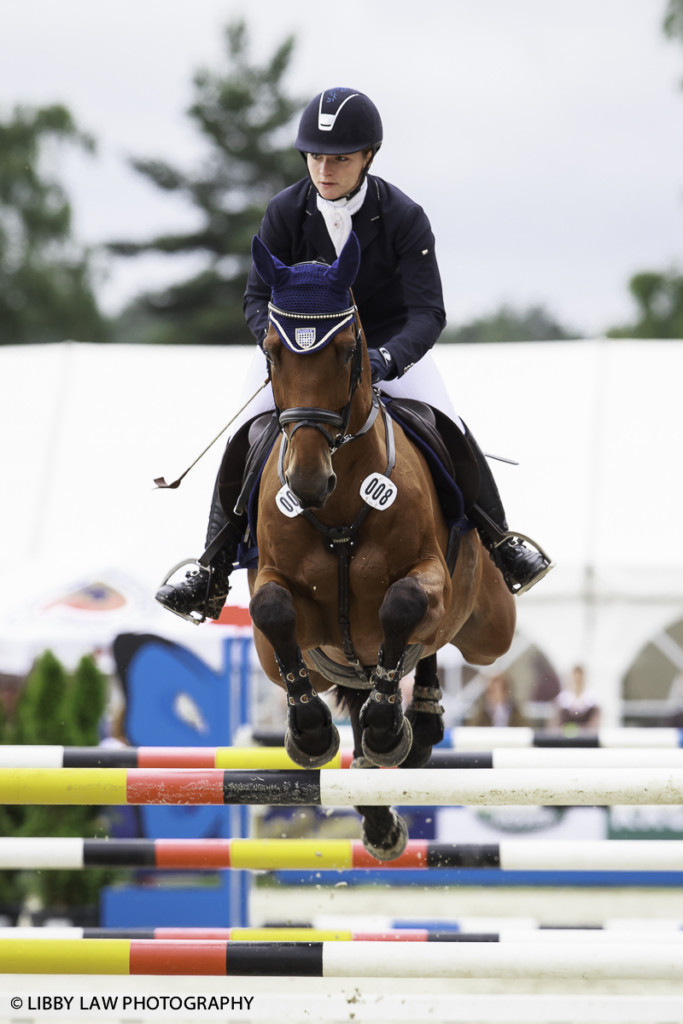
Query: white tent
x=595 y=426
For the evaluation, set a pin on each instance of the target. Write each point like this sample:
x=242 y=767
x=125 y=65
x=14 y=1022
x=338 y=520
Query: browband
x=307 y=335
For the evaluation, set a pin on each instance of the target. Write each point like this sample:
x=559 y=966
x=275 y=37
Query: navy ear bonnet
x=310 y=302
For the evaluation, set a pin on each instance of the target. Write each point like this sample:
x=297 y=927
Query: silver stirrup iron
x=515 y=535
x=202 y=570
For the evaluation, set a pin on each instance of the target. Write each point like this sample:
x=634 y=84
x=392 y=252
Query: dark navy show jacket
x=398 y=288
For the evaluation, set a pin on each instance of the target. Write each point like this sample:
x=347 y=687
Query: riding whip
x=160 y=482
x=501 y=458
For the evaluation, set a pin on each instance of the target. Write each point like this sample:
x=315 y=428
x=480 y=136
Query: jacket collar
x=365 y=223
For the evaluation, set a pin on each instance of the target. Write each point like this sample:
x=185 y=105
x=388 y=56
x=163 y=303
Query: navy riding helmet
x=339 y=121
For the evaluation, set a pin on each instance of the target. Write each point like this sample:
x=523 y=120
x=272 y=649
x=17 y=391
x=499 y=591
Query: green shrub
x=56 y=708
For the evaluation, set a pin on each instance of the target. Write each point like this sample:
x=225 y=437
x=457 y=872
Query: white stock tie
x=338 y=213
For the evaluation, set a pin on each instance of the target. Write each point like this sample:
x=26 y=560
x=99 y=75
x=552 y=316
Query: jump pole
x=269 y=758
x=339 y=788
x=463 y=737
x=644 y=961
x=337 y=854
x=505 y=934
x=257 y=758
x=488 y=737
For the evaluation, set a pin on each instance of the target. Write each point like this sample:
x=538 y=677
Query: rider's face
x=335 y=175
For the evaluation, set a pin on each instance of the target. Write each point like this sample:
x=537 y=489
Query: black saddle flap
x=443 y=444
x=262 y=434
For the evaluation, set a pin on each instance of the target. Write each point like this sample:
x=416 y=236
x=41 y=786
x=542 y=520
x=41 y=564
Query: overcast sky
x=544 y=138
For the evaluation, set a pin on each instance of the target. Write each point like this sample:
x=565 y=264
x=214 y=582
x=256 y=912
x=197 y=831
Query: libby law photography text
x=131 y=1002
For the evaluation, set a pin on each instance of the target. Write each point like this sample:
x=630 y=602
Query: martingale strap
x=341 y=541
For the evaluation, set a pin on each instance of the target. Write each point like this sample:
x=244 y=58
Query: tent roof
x=595 y=426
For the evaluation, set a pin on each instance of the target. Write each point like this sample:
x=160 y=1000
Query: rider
x=399 y=297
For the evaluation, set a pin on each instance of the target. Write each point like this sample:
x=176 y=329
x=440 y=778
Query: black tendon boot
x=521 y=561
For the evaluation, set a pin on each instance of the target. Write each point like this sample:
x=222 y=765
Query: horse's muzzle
x=312 y=490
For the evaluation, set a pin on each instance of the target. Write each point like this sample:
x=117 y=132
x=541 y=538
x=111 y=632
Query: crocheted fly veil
x=310 y=302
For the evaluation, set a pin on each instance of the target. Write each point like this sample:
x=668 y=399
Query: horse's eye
x=348 y=356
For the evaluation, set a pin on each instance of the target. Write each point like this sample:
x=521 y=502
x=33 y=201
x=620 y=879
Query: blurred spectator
x=575 y=705
x=496 y=706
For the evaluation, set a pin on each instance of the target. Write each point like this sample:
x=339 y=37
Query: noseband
x=322 y=419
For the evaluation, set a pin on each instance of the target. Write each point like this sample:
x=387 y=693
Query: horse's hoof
x=417 y=757
x=396 y=841
x=305 y=760
x=362 y=762
x=391 y=758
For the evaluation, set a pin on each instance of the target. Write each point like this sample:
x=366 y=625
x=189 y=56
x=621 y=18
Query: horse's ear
x=346 y=266
x=269 y=268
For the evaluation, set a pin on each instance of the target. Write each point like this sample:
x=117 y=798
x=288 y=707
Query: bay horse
x=352 y=586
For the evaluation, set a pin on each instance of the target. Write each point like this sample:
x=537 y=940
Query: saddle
x=445 y=448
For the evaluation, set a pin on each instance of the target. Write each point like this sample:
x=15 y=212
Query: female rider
x=399 y=298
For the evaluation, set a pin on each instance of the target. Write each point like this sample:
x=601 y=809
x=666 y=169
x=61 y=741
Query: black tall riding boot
x=521 y=566
x=202 y=593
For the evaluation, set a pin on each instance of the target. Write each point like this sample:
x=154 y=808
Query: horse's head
x=315 y=352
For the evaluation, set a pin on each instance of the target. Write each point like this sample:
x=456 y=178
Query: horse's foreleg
x=311 y=739
x=384 y=832
x=424 y=713
x=387 y=735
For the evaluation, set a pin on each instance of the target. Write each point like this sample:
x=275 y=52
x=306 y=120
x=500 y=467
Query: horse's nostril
x=331 y=483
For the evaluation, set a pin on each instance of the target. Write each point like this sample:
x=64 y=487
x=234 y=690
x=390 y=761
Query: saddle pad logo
x=304 y=337
x=378 y=491
x=288 y=503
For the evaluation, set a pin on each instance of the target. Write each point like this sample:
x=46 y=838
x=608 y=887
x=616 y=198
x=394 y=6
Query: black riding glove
x=381 y=364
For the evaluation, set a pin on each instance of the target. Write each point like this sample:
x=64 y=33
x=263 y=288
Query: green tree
x=659 y=301
x=508 y=324
x=241 y=114
x=40 y=713
x=658 y=294
x=55 y=708
x=87 y=705
x=673 y=20
x=46 y=278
